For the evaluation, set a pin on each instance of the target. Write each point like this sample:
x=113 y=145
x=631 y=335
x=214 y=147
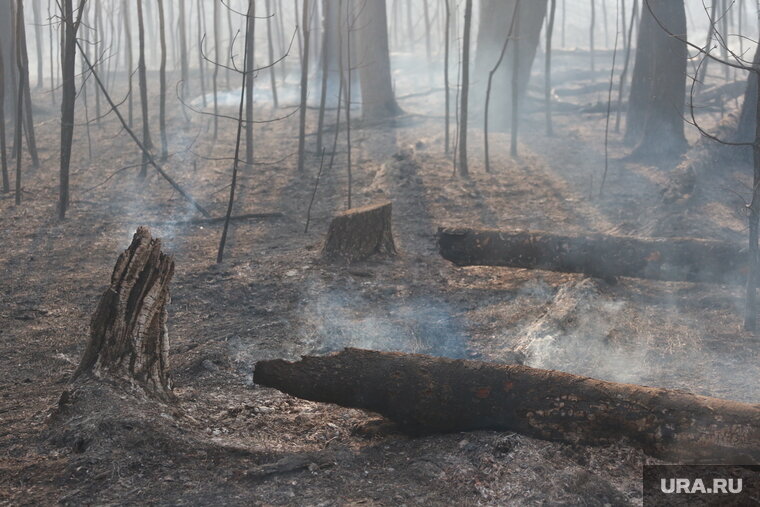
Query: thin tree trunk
x=347 y=86
x=548 y=68
x=68 y=98
x=125 y=12
x=38 y=41
x=25 y=92
x=514 y=130
x=624 y=73
x=3 y=147
x=22 y=78
x=325 y=75
x=183 y=48
x=304 y=85
x=250 y=27
x=236 y=160
x=215 y=78
x=270 y=41
x=446 y=51
x=162 y=82
x=201 y=61
x=142 y=75
x=592 y=28
x=463 y=115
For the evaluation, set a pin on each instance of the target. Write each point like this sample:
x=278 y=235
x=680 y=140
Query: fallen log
x=599 y=255
x=424 y=394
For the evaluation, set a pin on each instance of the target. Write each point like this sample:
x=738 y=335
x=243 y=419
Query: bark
x=25 y=90
x=424 y=394
x=464 y=113
x=162 y=83
x=658 y=86
x=128 y=331
x=495 y=19
x=378 y=101
x=3 y=147
x=270 y=49
x=599 y=255
x=745 y=130
x=68 y=98
x=304 y=85
x=215 y=78
x=183 y=63
x=548 y=67
x=249 y=62
x=126 y=11
x=38 y=41
x=142 y=74
x=358 y=233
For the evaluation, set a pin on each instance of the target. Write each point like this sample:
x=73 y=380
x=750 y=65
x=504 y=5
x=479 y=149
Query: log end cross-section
x=128 y=331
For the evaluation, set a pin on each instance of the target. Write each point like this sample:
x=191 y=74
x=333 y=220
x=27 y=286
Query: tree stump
x=128 y=331
x=358 y=233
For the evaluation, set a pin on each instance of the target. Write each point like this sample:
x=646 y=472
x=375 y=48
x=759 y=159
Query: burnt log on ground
x=424 y=394
x=358 y=233
x=128 y=331
x=599 y=255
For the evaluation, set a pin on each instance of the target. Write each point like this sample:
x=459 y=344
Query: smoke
x=332 y=319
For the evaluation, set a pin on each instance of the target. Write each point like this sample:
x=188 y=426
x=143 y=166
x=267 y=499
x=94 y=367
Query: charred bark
x=128 y=331
x=426 y=394
x=358 y=233
x=598 y=255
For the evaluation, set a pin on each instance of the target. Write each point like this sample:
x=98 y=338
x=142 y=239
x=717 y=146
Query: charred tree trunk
x=425 y=394
x=548 y=67
x=603 y=256
x=270 y=49
x=126 y=12
x=25 y=90
x=658 y=87
x=38 y=42
x=128 y=332
x=183 y=63
x=378 y=101
x=215 y=78
x=358 y=233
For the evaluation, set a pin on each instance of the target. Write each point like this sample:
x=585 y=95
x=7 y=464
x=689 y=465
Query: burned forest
x=379 y=252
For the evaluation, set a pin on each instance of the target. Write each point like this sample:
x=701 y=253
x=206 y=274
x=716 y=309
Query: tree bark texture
x=599 y=255
x=128 y=331
x=426 y=394
x=358 y=233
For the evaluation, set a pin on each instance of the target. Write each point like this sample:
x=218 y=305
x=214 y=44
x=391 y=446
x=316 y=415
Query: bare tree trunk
x=236 y=160
x=378 y=101
x=270 y=41
x=487 y=108
x=214 y=84
x=22 y=83
x=304 y=85
x=52 y=59
x=548 y=67
x=68 y=97
x=346 y=78
x=624 y=73
x=3 y=147
x=201 y=61
x=591 y=30
x=183 y=63
x=328 y=22
x=753 y=276
x=38 y=42
x=162 y=82
x=125 y=12
x=26 y=95
x=515 y=128
x=142 y=74
x=447 y=43
x=250 y=26
x=463 y=114
x=658 y=88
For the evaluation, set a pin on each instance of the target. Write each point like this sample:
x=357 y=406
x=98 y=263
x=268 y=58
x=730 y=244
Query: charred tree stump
x=358 y=233
x=426 y=394
x=599 y=255
x=128 y=331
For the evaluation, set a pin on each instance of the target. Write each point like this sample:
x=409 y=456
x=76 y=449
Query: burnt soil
x=228 y=441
